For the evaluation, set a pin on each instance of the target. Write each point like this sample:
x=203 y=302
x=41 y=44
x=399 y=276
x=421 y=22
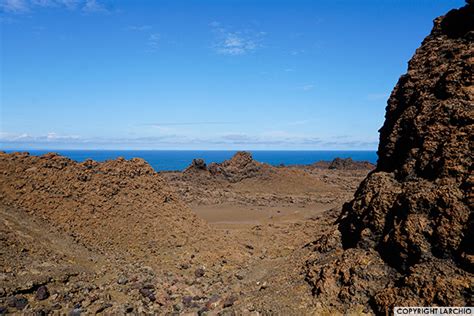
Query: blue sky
x=203 y=74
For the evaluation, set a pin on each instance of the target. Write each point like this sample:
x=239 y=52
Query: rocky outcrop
x=196 y=166
x=120 y=206
x=239 y=167
x=424 y=174
x=349 y=164
x=342 y=164
x=415 y=210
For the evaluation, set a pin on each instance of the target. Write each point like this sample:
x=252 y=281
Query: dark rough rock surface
x=197 y=165
x=348 y=164
x=239 y=167
x=42 y=293
x=342 y=164
x=415 y=210
x=424 y=174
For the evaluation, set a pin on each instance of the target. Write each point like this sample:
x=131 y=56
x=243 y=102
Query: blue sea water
x=162 y=160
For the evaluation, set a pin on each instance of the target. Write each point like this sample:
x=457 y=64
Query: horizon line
x=118 y=149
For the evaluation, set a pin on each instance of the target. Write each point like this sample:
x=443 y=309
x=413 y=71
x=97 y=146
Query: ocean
x=162 y=160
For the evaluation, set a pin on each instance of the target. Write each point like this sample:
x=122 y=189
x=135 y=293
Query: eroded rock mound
x=239 y=167
x=344 y=164
x=197 y=165
x=118 y=206
x=415 y=210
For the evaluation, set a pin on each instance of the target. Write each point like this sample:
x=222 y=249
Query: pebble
x=178 y=307
x=187 y=300
x=229 y=301
x=239 y=275
x=128 y=308
x=199 y=272
x=41 y=312
x=18 y=302
x=203 y=311
x=42 y=293
x=122 y=280
x=103 y=307
x=213 y=302
x=56 y=306
x=75 y=312
x=185 y=266
x=148 y=294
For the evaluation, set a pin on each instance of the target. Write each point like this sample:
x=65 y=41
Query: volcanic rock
x=349 y=164
x=197 y=165
x=93 y=201
x=42 y=293
x=239 y=167
x=415 y=210
x=417 y=202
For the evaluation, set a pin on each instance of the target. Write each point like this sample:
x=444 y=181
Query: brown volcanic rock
x=425 y=153
x=197 y=165
x=415 y=209
x=349 y=164
x=344 y=164
x=240 y=166
x=117 y=206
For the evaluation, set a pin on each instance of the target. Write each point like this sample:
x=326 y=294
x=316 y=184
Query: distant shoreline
x=178 y=160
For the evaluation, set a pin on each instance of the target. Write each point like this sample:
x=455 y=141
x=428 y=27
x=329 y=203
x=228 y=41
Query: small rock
x=56 y=306
x=203 y=311
x=41 y=312
x=185 y=266
x=213 y=302
x=42 y=293
x=122 y=280
x=128 y=308
x=75 y=312
x=239 y=275
x=187 y=300
x=178 y=307
x=18 y=302
x=229 y=301
x=148 y=294
x=103 y=307
x=199 y=272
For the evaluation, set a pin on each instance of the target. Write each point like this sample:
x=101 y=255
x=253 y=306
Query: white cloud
x=14 y=6
x=297 y=52
x=139 y=28
x=24 y=137
x=93 y=6
x=22 y=6
x=307 y=87
x=235 y=43
x=153 y=41
x=273 y=139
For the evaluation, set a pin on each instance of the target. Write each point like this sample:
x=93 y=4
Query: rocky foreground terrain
x=118 y=238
